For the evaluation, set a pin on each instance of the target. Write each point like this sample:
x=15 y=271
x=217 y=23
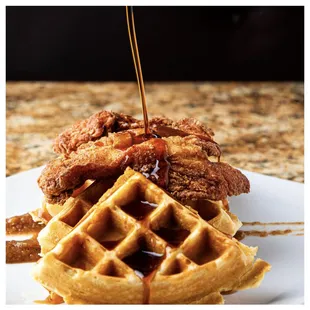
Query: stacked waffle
x=133 y=243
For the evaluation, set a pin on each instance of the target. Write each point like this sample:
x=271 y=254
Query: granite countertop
x=260 y=126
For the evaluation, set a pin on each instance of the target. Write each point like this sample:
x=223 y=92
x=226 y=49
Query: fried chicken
x=96 y=126
x=193 y=177
x=104 y=122
x=177 y=162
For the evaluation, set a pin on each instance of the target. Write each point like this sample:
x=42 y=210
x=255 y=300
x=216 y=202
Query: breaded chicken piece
x=179 y=164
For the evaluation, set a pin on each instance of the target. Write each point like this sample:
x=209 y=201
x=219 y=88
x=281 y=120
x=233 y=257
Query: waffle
x=48 y=210
x=215 y=212
x=65 y=217
x=138 y=245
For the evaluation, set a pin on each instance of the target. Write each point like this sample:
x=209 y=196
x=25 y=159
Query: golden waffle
x=65 y=217
x=62 y=219
x=138 y=245
x=48 y=210
x=217 y=214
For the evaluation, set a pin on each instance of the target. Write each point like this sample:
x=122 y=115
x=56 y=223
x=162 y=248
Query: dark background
x=175 y=43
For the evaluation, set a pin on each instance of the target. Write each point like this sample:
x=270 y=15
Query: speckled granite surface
x=258 y=125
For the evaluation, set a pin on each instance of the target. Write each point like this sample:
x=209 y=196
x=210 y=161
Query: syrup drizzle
x=160 y=172
x=298 y=231
x=173 y=235
x=139 y=209
x=241 y=234
x=137 y=63
x=145 y=263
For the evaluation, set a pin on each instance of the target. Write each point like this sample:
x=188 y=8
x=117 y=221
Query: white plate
x=270 y=200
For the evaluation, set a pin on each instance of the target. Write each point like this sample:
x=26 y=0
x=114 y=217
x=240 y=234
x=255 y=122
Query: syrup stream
x=137 y=63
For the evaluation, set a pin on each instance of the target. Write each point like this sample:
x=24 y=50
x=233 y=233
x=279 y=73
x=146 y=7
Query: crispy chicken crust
x=193 y=177
x=88 y=154
x=102 y=123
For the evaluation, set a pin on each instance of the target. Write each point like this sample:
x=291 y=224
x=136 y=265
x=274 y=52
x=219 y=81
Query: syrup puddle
x=51 y=299
x=22 y=251
x=173 y=235
x=21 y=239
x=22 y=225
x=139 y=209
